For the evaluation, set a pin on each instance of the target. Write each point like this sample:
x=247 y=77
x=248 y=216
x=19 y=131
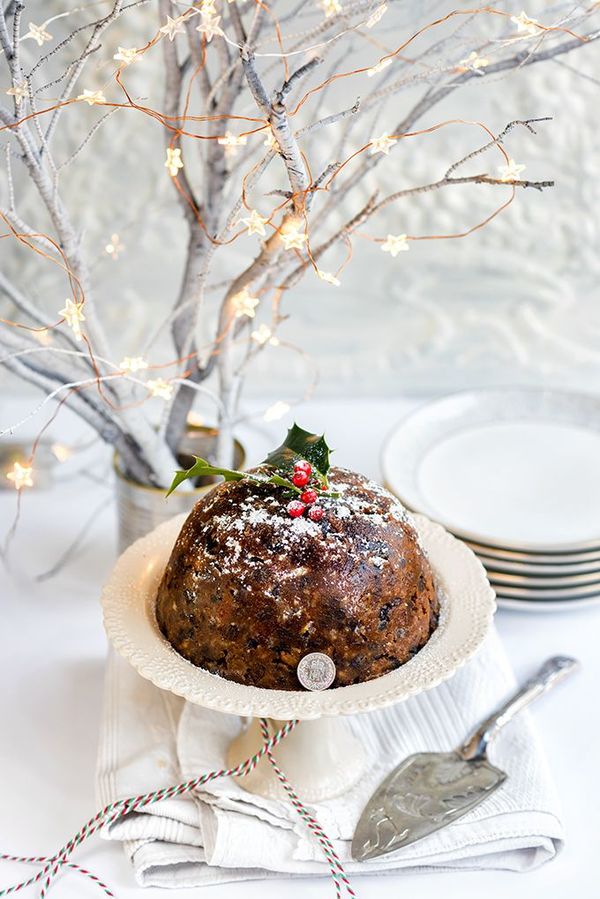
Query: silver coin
x=316 y=671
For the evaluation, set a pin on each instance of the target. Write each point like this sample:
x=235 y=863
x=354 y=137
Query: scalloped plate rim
x=127 y=622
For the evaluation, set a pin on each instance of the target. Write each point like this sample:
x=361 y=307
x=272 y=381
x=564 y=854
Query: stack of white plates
x=515 y=473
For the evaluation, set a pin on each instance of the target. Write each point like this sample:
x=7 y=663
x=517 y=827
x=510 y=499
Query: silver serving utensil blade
x=429 y=790
x=426 y=792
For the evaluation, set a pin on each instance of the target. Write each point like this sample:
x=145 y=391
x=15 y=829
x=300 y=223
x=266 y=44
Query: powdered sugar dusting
x=351 y=534
x=305 y=526
x=249 y=588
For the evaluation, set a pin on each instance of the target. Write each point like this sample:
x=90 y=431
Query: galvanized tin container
x=141 y=508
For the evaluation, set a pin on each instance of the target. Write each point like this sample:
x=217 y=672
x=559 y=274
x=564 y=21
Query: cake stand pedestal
x=322 y=759
x=321 y=756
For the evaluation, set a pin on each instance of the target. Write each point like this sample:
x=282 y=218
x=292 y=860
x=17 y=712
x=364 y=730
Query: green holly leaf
x=298 y=444
x=200 y=469
x=301 y=444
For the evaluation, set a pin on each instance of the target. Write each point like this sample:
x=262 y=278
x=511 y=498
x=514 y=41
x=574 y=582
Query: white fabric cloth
x=151 y=739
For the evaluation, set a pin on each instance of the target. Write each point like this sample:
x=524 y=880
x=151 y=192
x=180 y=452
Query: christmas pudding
x=294 y=558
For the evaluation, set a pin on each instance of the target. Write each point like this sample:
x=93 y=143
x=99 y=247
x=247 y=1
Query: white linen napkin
x=151 y=739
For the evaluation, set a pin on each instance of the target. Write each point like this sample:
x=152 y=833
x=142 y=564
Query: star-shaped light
x=262 y=335
x=270 y=141
x=160 y=388
x=379 y=67
x=127 y=55
x=173 y=162
x=173 y=27
x=474 y=62
x=231 y=142
x=114 y=247
x=255 y=223
x=245 y=304
x=277 y=410
x=382 y=144
x=43 y=336
x=327 y=276
x=73 y=315
x=133 y=363
x=395 y=243
x=511 y=171
x=293 y=236
x=21 y=475
x=209 y=26
x=526 y=25
x=61 y=452
x=331 y=7
x=92 y=97
x=38 y=33
x=19 y=91
x=376 y=16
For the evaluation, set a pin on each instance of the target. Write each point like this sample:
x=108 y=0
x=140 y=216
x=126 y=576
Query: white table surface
x=52 y=651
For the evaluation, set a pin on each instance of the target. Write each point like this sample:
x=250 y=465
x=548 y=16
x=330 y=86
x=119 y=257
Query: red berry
x=309 y=496
x=315 y=513
x=303 y=466
x=300 y=478
x=295 y=508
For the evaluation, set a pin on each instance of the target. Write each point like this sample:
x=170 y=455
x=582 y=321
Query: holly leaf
x=301 y=444
x=200 y=469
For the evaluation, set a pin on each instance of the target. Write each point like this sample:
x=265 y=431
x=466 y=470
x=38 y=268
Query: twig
x=525 y=123
x=296 y=76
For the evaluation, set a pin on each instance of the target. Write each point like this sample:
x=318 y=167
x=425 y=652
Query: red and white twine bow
x=52 y=865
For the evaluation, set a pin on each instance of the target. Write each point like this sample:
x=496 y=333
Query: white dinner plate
x=507 y=566
x=536 y=593
x=510 y=468
x=550 y=582
x=527 y=558
x=557 y=605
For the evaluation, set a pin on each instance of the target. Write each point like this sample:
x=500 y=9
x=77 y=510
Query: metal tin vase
x=141 y=508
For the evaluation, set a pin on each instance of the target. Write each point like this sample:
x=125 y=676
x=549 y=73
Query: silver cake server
x=429 y=790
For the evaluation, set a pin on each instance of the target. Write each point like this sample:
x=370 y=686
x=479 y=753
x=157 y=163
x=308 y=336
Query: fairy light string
x=288 y=232
x=174 y=164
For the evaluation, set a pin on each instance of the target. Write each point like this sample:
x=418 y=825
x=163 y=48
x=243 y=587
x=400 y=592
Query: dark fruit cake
x=260 y=577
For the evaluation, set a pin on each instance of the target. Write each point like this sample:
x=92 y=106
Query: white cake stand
x=322 y=757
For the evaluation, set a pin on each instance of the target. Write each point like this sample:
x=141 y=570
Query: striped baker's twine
x=115 y=810
x=335 y=866
x=122 y=807
x=43 y=859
